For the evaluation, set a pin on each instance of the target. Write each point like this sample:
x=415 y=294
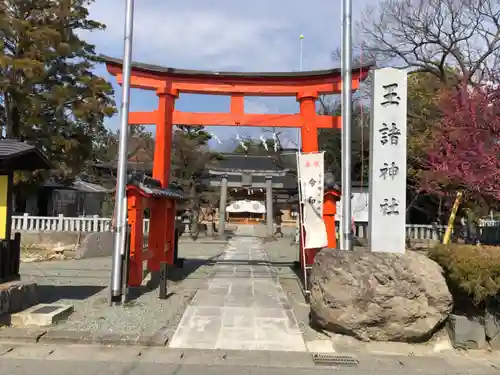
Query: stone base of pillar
x=270 y=239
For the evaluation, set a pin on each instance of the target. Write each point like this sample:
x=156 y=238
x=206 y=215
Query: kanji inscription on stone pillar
x=387 y=217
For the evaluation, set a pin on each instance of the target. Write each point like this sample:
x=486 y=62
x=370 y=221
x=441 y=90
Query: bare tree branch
x=451 y=39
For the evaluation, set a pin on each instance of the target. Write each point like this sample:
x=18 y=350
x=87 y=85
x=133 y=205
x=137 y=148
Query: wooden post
x=170 y=239
x=135 y=219
x=451 y=220
x=329 y=210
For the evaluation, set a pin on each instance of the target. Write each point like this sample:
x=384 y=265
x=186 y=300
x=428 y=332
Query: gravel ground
x=83 y=283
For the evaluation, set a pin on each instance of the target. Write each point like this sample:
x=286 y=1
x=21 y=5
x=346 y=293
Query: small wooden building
x=14 y=156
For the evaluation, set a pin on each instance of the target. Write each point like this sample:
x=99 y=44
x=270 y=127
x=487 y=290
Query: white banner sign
x=387 y=221
x=359 y=204
x=311 y=177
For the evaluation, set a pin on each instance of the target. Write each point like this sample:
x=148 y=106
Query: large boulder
x=378 y=296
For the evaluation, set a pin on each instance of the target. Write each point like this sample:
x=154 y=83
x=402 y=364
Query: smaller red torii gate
x=169 y=83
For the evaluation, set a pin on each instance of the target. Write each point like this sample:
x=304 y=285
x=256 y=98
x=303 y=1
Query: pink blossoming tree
x=464 y=152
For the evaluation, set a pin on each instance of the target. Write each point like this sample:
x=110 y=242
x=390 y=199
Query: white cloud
x=257 y=35
x=254 y=105
x=197 y=37
x=225 y=34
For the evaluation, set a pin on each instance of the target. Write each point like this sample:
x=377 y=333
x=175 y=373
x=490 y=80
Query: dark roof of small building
x=16 y=155
x=288 y=159
x=246 y=163
x=131 y=165
x=174 y=194
x=152 y=187
x=225 y=75
x=77 y=185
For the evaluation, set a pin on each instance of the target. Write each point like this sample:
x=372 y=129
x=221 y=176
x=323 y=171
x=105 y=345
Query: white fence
x=27 y=223
x=420 y=232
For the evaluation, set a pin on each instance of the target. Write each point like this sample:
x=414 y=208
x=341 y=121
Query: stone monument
x=385 y=294
x=387 y=212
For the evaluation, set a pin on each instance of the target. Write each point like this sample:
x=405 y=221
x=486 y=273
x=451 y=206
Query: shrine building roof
x=242 y=163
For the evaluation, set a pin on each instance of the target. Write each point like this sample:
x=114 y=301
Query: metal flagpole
x=120 y=197
x=346 y=239
x=301 y=50
x=342 y=182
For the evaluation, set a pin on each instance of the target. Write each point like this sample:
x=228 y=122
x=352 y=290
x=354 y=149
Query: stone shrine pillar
x=222 y=206
x=269 y=206
x=388 y=162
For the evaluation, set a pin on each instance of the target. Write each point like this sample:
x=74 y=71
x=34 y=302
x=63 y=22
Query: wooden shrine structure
x=250 y=173
x=169 y=83
x=14 y=156
x=145 y=192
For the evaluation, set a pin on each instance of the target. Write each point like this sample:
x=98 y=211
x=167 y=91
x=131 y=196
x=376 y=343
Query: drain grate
x=325 y=359
x=46 y=309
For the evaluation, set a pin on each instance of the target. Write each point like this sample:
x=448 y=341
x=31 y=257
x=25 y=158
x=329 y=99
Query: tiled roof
x=288 y=160
x=22 y=156
x=161 y=192
x=11 y=147
x=153 y=187
x=289 y=181
x=242 y=162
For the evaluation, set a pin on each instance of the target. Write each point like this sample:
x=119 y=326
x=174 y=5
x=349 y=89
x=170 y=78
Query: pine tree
x=51 y=97
x=190 y=157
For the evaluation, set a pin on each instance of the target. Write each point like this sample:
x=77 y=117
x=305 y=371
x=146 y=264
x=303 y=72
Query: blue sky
x=224 y=35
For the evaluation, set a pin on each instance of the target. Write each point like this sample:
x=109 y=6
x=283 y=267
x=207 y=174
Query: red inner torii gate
x=169 y=83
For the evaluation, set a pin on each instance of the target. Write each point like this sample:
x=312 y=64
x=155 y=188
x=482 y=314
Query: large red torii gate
x=169 y=83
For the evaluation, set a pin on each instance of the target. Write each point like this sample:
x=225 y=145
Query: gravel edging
x=27 y=335
x=24 y=335
x=50 y=335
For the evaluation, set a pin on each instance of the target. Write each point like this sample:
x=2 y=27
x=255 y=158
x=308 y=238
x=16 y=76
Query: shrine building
x=254 y=179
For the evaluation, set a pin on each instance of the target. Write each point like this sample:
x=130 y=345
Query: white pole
x=121 y=198
x=301 y=37
x=301 y=50
x=346 y=236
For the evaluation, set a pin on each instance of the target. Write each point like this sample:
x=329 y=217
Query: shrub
x=471 y=269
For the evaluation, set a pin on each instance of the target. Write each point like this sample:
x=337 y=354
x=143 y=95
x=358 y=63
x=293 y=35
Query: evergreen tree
x=190 y=157
x=51 y=97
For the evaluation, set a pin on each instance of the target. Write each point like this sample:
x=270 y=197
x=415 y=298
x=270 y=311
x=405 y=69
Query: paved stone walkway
x=242 y=307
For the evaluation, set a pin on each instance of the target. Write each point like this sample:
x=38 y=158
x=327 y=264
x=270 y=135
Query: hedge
x=471 y=269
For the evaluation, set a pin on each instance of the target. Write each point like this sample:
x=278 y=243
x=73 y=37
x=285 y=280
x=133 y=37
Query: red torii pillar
x=309 y=143
x=162 y=221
